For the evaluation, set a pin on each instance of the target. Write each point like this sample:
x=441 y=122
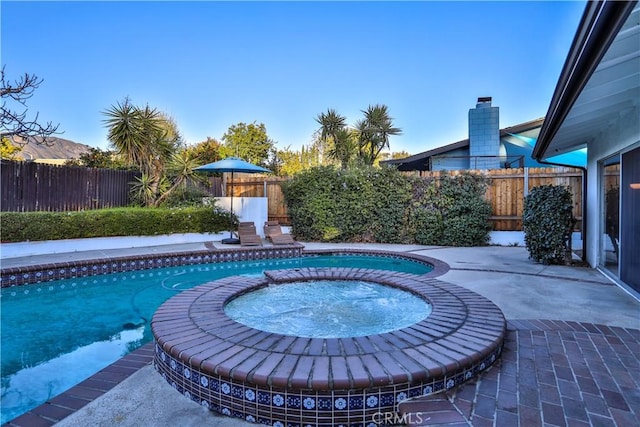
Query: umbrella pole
x=231 y=240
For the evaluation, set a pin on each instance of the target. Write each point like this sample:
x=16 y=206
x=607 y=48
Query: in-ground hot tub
x=328 y=308
x=281 y=379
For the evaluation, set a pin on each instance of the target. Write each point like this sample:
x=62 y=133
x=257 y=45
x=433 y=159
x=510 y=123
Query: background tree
x=8 y=150
x=207 y=151
x=250 y=142
x=333 y=132
x=365 y=141
x=399 y=154
x=319 y=147
x=288 y=162
x=14 y=123
x=393 y=155
x=97 y=158
x=275 y=161
x=344 y=147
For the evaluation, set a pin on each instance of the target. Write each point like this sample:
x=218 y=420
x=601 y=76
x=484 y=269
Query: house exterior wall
x=453 y=160
x=618 y=139
x=484 y=134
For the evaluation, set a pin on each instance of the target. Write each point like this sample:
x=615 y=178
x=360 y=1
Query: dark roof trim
x=599 y=25
x=426 y=154
x=522 y=127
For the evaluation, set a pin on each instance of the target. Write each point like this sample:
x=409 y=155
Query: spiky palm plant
x=181 y=173
x=145 y=138
x=333 y=130
x=374 y=131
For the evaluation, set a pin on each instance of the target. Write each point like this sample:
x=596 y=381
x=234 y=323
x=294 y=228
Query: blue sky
x=210 y=65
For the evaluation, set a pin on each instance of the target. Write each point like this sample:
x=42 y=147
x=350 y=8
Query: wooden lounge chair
x=273 y=232
x=248 y=235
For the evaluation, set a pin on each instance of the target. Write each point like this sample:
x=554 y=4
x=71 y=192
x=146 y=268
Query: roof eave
x=599 y=25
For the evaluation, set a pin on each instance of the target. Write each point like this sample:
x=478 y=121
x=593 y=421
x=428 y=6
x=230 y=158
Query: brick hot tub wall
x=275 y=379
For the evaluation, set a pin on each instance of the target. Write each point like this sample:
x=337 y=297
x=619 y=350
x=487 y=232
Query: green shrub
x=383 y=206
x=428 y=226
x=465 y=211
x=392 y=197
x=310 y=203
x=425 y=218
x=185 y=197
x=355 y=205
x=548 y=223
x=451 y=211
x=27 y=226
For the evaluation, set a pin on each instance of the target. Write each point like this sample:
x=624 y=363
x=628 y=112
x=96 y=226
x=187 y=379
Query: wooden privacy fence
x=263 y=186
x=508 y=187
x=506 y=191
x=30 y=186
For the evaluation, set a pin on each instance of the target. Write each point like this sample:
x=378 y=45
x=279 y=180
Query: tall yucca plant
x=145 y=138
x=181 y=172
x=374 y=132
x=333 y=129
x=126 y=132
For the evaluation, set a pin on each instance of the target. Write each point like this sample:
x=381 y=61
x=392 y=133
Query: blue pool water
x=56 y=334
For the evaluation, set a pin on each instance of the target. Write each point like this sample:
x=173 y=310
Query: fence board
x=255 y=186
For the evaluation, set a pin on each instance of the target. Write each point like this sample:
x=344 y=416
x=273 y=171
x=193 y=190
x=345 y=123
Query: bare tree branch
x=14 y=123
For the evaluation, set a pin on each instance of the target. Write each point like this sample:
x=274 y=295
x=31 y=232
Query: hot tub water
x=328 y=309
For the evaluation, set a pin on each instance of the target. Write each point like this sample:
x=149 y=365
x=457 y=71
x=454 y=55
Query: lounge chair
x=273 y=232
x=248 y=235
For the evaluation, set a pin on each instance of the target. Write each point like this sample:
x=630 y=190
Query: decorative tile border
x=438 y=267
x=297 y=408
x=283 y=380
x=17 y=276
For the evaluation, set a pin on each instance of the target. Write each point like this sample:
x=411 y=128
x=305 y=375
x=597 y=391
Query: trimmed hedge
x=27 y=226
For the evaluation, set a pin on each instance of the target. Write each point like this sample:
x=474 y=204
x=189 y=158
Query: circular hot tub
x=279 y=379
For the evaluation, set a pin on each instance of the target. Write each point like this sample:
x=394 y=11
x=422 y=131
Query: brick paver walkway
x=551 y=374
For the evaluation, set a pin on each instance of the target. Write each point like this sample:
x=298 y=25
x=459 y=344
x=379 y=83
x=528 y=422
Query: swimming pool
x=57 y=333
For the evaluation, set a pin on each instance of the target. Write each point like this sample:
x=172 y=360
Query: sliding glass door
x=610 y=220
x=630 y=219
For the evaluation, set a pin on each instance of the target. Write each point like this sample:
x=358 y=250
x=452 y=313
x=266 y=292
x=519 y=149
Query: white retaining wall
x=22 y=249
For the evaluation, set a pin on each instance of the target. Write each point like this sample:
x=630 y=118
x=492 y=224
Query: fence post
x=526 y=182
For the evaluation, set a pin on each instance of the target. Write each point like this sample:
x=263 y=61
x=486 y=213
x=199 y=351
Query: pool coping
x=41 y=273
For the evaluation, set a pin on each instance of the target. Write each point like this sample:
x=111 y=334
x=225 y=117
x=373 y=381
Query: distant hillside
x=59 y=148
